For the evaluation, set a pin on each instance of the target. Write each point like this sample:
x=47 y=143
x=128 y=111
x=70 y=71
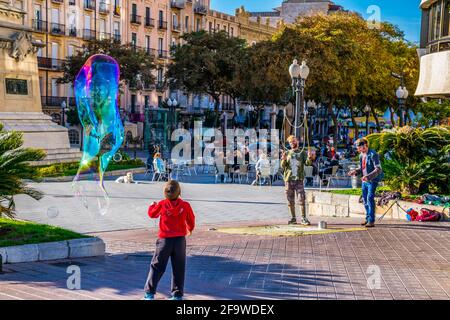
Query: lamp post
x=402 y=94
x=63 y=108
x=312 y=107
x=172 y=103
x=299 y=74
x=367 y=111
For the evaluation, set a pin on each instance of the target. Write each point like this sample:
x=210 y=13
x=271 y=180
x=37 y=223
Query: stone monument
x=20 y=99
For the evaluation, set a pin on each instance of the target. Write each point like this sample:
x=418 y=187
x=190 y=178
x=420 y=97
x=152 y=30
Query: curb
x=88 y=176
x=77 y=248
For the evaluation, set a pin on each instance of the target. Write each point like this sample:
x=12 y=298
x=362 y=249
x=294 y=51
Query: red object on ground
x=176 y=218
x=428 y=215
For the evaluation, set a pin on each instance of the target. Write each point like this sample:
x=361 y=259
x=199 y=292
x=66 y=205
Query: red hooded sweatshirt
x=176 y=218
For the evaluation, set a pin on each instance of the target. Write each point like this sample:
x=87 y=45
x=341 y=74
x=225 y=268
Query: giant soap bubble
x=96 y=92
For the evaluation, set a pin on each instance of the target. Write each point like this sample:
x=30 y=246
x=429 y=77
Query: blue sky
x=404 y=13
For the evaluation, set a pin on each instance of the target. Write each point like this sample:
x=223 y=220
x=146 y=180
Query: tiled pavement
x=414 y=260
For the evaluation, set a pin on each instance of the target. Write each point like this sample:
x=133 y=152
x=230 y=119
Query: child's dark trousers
x=175 y=249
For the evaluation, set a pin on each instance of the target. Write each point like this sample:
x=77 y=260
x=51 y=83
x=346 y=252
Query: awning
x=434 y=80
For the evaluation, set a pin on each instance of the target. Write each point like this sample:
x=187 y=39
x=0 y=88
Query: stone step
x=46 y=162
x=62 y=150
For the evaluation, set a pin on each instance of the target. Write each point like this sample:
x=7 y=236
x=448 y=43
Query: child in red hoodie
x=176 y=221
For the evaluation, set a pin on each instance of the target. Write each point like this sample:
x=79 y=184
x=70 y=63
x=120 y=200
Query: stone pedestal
x=20 y=100
x=40 y=132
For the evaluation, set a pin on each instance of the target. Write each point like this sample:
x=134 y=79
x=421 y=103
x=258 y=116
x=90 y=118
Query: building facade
x=434 y=80
x=290 y=10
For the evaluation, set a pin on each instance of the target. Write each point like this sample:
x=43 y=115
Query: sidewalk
x=414 y=260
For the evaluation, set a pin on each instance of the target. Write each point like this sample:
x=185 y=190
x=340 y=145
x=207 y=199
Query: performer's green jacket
x=293 y=166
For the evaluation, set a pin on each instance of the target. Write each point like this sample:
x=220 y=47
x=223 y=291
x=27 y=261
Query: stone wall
x=338 y=205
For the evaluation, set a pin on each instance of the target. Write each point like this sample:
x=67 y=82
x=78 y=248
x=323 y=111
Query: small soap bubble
x=52 y=212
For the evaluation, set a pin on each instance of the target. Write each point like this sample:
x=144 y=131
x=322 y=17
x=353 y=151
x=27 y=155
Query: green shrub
x=415 y=160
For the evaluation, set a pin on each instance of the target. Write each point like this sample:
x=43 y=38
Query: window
x=147 y=42
x=198 y=24
x=134 y=9
x=160 y=75
x=232 y=31
x=70 y=50
x=446 y=31
x=435 y=21
x=161 y=16
x=160 y=44
x=74 y=137
x=54 y=87
x=186 y=23
x=134 y=39
x=147 y=13
x=16 y=86
x=210 y=27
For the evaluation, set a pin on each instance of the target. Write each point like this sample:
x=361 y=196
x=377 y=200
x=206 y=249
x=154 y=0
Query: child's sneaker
x=176 y=298
x=149 y=296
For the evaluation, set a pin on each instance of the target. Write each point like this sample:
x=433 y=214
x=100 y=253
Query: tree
x=206 y=63
x=434 y=112
x=260 y=79
x=132 y=61
x=14 y=168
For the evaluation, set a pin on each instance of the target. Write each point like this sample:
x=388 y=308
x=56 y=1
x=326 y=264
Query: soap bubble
x=96 y=92
x=52 y=212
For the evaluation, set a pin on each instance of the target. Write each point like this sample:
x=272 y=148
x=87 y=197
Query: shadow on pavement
x=207 y=277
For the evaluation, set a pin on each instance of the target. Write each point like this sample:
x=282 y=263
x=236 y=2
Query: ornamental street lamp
x=312 y=109
x=299 y=74
x=367 y=110
x=63 y=108
x=172 y=103
x=402 y=94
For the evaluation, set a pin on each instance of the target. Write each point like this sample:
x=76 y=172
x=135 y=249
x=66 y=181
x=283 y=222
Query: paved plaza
x=395 y=260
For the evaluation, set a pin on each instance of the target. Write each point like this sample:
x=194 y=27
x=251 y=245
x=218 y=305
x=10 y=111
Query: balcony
x=163 y=54
x=50 y=63
x=162 y=25
x=177 y=4
x=57 y=29
x=54 y=101
x=135 y=19
x=40 y=25
x=72 y=32
x=72 y=3
x=89 y=4
x=176 y=27
x=58 y=1
x=200 y=9
x=104 y=36
x=160 y=85
x=149 y=22
x=103 y=8
x=149 y=51
x=116 y=37
x=88 y=34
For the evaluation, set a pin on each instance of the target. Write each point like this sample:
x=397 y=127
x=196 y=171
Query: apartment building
x=63 y=26
x=435 y=50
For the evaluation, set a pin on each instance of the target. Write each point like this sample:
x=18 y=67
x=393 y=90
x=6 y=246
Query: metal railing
x=54 y=101
x=103 y=7
x=178 y=4
x=176 y=27
x=149 y=22
x=116 y=37
x=89 y=4
x=162 y=24
x=163 y=54
x=72 y=32
x=50 y=63
x=200 y=9
x=40 y=25
x=104 y=36
x=89 y=34
x=135 y=19
x=57 y=29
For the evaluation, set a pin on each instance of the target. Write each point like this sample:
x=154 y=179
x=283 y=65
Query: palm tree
x=14 y=168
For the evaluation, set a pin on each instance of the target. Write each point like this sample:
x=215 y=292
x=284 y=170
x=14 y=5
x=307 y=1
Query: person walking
x=292 y=164
x=372 y=174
